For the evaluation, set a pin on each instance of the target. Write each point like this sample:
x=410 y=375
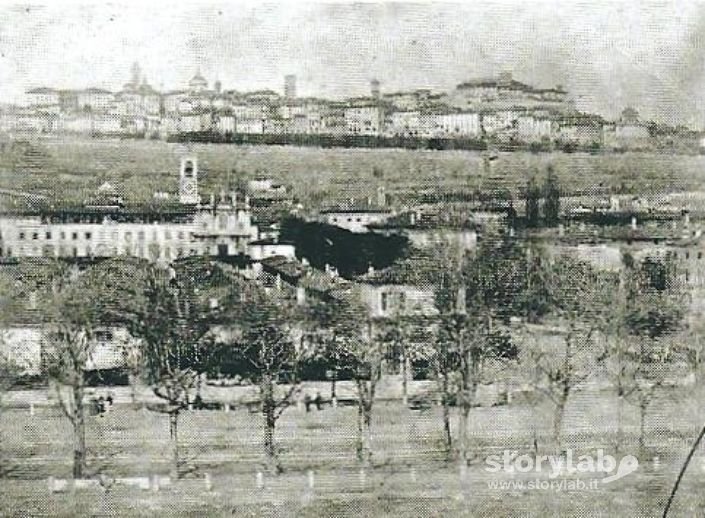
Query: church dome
x=198 y=82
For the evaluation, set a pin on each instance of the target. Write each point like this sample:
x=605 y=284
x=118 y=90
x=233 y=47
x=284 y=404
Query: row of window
x=49 y=251
x=349 y=220
x=89 y=235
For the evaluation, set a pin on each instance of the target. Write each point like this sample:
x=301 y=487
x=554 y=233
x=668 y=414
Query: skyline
x=606 y=55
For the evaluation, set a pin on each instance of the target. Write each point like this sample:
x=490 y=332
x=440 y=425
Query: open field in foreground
x=73 y=168
x=410 y=477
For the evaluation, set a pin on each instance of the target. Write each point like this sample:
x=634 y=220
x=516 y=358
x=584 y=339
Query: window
x=63 y=235
x=74 y=236
x=103 y=336
x=35 y=235
x=88 y=235
x=180 y=234
x=140 y=235
x=128 y=236
x=384 y=301
x=48 y=235
x=188 y=169
x=700 y=255
x=21 y=236
x=167 y=234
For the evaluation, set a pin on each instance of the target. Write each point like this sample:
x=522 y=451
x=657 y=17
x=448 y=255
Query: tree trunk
x=367 y=435
x=446 y=425
x=174 y=434
x=333 y=395
x=133 y=379
x=620 y=411
x=404 y=380
x=463 y=438
x=360 y=447
x=642 y=424
x=270 y=421
x=558 y=423
x=79 y=431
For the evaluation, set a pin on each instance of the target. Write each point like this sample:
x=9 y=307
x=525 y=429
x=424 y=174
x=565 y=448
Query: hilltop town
x=498 y=112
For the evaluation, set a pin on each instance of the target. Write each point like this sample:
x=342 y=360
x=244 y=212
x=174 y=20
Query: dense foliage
x=351 y=253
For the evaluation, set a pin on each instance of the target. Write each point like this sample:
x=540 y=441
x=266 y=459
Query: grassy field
x=73 y=168
x=410 y=477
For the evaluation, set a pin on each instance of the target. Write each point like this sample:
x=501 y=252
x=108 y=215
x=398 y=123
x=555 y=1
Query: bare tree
x=398 y=334
x=331 y=322
x=70 y=344
x=559 y=368
x=367 y=354
x=171 y=313
x=10 y=373
x=644 y=313
x=266 y=347
x=470 y=348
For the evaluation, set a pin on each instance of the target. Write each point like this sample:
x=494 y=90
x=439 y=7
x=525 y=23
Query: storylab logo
x=564 y=465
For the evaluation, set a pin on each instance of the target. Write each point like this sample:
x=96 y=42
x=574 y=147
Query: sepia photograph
x=352 y=258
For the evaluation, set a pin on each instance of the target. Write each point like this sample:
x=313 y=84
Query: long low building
x=222 y=226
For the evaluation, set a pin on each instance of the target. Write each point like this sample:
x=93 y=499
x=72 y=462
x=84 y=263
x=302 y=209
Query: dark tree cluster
x=351 y=253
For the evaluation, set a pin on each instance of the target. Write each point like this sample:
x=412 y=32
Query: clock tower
x=188 y=181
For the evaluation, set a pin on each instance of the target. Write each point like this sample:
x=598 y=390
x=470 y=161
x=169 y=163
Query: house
x=456 y=125
x=355 y=219
x=404 y=289
x=263 y=248
x=42 y=97
x=364 y=117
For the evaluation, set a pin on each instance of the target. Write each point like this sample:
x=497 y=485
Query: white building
x=463 y=124
x=263 y=248
x=364 y=120
x=355 y=220
x=535 y=129
x=42 y=97
x=222 y=227
x=94 y=99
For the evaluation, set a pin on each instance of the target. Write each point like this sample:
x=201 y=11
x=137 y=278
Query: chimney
x=381 y=196
x=374 y=89
x=460 y=300
x=634 y=223
x=300 y=295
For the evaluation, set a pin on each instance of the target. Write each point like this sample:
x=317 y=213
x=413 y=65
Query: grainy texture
x=352 y=259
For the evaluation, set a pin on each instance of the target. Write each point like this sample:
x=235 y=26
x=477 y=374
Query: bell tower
x=188 y=181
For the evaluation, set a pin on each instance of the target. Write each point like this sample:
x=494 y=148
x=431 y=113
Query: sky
x=607 y=54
